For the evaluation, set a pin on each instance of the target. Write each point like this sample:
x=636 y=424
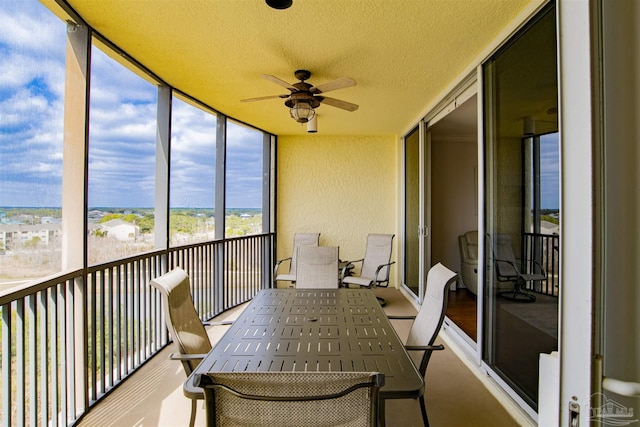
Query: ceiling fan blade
x=338 y=103
x=280 y=82
x=333 y=85
x=260 y=98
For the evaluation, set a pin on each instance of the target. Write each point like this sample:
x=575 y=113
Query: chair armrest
x=221 y=323
x=536 y=264
x=512 y=264
x=380 y=268
x=187 y=357
x=275 y=269
x=401 y=317
x=424 y=347
x=508 y=262
x=348 y=264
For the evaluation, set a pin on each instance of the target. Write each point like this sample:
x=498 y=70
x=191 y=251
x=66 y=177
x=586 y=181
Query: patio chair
x=317 y=267
x=507 y=270
x=427 y=323
x=299 y=239
x=291 y=399
x=375 y=264
x=184 y=325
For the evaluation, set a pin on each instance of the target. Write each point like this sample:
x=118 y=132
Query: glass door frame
x=422 y=229
x=468 y=88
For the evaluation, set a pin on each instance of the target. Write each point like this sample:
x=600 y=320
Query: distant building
x=120 y=229
x=13 y=236
x=96 y=214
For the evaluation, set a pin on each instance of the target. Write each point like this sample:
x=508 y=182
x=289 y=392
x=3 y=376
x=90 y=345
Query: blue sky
x=549 y=171
x=31 y=89
x=122 y=128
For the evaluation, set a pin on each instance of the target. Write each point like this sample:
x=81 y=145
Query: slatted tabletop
x=315 y=330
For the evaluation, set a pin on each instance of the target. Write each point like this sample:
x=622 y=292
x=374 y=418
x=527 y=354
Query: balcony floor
x=454 y=395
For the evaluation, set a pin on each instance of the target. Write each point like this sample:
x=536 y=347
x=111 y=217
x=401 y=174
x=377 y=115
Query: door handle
x=623 y=388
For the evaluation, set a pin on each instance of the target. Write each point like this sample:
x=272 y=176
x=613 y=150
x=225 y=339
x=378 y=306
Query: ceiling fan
x=305 y=97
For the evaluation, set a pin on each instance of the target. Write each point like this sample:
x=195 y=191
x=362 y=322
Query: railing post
x=80 y=354
x=6 y=365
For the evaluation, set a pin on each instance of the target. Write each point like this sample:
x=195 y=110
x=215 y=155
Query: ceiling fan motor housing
x=302 y=95
x=302 y=75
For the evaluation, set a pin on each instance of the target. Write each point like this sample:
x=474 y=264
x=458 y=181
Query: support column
x=221 y=162
x=76 y=147
x=163 y=159
x=75 y=193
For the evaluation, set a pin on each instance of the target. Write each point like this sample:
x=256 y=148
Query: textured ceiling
x=402 y=54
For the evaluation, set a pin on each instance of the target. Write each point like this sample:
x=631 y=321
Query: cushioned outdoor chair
x=317 y=267
x=299 y=239
x=184 y=325
x=508 y=269
x=427 y=323
x=291 y=399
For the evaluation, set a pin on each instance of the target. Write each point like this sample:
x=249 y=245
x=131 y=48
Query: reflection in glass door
x=521 y=205
x=412 y=211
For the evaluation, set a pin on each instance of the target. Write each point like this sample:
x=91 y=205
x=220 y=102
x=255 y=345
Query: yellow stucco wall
x=341 y=187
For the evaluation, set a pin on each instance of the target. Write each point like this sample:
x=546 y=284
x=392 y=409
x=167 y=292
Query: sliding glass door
x=412 y=216
x=521 y=205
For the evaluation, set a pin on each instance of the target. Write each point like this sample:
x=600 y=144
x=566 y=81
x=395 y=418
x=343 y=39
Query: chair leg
x=423 y=409
x=518 y=294
x=194 y=407
x=381 y=413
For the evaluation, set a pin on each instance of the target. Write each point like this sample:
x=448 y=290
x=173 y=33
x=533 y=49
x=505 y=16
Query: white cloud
x=122 y=127
x=26 y=24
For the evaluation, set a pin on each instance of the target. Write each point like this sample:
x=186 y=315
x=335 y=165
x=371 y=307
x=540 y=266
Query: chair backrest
x=378 y=252
x=504 y=256
x=468 y=244
x=185 y=327
x=317 y=267
x=426 y=325
x=301 y=239
x=291 y=399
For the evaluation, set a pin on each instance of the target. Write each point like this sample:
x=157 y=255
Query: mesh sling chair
x=507 y=270
x=185 y=327
x=375 y=264
x=427 y=323
x=317 y=267
x=299 y=239
x=291 y=399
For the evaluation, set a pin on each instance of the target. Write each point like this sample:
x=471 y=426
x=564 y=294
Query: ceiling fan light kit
x=302 y=112
x=304 y=97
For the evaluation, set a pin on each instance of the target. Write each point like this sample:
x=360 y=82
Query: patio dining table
x=315 y=330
